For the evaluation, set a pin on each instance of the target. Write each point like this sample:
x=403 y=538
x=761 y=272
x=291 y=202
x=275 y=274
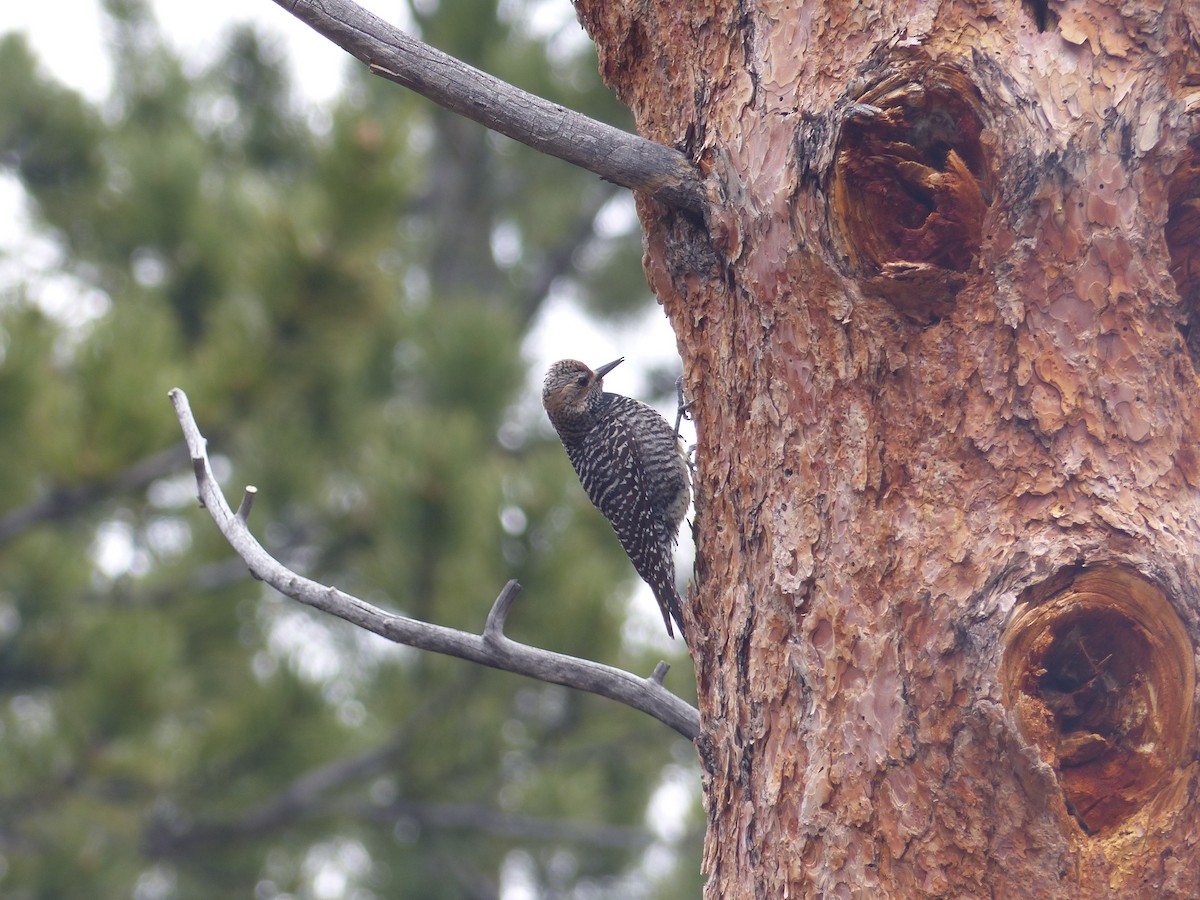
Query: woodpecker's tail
x=671 y=606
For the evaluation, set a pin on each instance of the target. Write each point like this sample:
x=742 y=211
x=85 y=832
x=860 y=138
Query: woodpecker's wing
x=622 y=464
x=656 y=446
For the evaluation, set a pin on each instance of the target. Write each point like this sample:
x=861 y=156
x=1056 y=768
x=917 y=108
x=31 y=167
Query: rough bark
x=937 y=329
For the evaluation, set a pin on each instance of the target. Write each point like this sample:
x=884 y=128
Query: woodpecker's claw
x=681 y=411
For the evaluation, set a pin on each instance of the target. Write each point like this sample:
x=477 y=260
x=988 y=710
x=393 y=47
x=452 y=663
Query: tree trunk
x=938 y=324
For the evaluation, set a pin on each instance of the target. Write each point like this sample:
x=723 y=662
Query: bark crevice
x=1099 y=674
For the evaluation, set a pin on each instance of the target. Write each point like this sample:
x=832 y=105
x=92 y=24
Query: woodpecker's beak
x=608 y=367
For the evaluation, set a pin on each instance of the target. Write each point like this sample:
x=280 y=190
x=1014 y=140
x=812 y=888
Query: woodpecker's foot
x=681 y=411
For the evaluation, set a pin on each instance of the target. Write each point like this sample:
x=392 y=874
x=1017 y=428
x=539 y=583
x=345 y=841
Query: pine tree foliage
x=344 y=294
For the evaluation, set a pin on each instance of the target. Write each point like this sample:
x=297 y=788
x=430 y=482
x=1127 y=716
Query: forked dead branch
x=491 y=648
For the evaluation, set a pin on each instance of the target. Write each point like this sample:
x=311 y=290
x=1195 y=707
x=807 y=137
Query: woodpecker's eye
x=581 y=380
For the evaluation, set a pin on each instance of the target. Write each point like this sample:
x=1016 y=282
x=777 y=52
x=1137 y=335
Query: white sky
x=68 y=37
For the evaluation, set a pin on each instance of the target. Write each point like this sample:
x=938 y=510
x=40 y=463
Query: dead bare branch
x=615 y=155
x=491 y=648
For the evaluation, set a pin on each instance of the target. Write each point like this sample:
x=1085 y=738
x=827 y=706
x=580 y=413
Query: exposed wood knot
x=911 y=184
x=1099 y=674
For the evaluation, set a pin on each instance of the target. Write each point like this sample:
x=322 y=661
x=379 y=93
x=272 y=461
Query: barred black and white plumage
x=629 y=462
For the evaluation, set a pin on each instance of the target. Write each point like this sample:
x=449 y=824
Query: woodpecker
x=629 y=462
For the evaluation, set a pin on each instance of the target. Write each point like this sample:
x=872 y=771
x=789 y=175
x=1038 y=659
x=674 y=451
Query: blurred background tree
x=345 y=293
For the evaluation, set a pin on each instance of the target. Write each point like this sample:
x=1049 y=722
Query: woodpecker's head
x=571 y=391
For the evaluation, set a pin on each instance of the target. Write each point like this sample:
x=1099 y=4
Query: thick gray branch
x=615 y=155
x=491 y=648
